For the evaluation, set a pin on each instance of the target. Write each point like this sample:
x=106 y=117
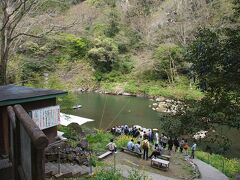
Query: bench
x=123 y=149
x=160 y=164
x=104 y=155
x=164 y=157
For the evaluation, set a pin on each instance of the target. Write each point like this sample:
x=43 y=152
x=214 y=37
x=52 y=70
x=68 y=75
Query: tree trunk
x=4 y=56
x=3 y=68
x=3 y=60
x=5 y=46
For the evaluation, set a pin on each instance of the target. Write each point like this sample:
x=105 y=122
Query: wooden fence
x=27 y=144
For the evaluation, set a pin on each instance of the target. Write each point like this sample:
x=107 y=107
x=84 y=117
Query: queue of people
x=147 y=137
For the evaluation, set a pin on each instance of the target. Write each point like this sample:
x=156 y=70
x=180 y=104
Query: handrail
x=12 y=116
x=38 y=138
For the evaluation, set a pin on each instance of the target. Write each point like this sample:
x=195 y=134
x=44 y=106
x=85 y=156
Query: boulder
x=77 y=128
x=159 y=99
x=155 y=104
x=83 y=144
x=126 y=94
x=168 y=100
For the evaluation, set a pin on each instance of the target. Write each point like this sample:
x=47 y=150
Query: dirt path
x=179 y=168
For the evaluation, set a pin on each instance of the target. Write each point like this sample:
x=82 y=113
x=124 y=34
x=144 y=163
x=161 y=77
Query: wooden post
x=59 y=163
x=14 y=125
x=38 y=142
x=114 y=155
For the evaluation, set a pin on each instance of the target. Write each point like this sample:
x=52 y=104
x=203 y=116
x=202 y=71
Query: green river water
x=109 y=110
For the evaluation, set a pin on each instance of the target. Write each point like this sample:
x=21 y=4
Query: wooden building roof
x=11 y=94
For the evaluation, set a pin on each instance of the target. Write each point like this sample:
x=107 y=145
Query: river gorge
x=110 y=110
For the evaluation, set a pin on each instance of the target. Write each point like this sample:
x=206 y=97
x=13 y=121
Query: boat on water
x=77 y=106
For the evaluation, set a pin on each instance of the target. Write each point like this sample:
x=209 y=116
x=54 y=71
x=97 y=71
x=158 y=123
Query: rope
x=103 y=112
x=118 y=114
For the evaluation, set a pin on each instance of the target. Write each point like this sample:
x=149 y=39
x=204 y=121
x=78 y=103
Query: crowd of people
x=147 y=137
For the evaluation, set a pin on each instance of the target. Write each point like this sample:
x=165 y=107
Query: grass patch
x=158 y=88
x=99 y=140
x=230 y=167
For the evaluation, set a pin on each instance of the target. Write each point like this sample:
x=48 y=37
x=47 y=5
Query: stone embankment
x=162 y=104
x=117 y=92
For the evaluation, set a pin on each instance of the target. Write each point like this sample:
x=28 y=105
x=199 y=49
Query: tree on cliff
x=12 y=12
x=215 y=59
x=20 y=18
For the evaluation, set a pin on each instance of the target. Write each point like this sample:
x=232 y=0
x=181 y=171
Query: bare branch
x=32 y=35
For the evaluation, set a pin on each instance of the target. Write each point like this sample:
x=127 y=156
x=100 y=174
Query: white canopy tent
x=66 y=119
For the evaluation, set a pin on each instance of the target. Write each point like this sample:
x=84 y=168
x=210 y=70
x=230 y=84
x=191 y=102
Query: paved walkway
x=208 y=172
x=125 y=172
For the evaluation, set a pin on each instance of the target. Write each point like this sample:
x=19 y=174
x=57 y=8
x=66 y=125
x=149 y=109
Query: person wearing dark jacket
x=176 y=144
x=170 y=144
x=157 y=151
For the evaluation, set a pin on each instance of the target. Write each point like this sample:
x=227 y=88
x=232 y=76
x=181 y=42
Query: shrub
x=122 y=140
x=68 y=132
x=135 y=174
x=168 y=58
x=110 y=174
x=99 y=140
x=104 y=54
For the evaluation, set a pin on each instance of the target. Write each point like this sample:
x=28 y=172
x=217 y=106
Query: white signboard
x=46 y=117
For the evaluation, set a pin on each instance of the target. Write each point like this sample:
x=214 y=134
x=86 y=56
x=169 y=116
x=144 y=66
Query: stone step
x=51 y=167
x=63 y=175
x=84 y=170
x=67 y=170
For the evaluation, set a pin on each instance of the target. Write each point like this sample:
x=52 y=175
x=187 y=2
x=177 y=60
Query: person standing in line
x=145 y=135
x=145 y=146
x=141 y=133
x=150 y=135
x=176 y=144
x=157 y=138
x=170 y=144
x=126 y=131
x=185 y=147
x=181 y=145
x=164 y=140
x=161 y=139
x=193 y=148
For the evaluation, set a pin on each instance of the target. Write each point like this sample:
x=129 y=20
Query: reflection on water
x=108 y=110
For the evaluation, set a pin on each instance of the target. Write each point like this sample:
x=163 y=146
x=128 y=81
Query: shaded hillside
x=134 y=46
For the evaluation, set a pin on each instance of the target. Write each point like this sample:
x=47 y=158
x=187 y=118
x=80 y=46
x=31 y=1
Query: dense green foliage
x=214 y=57
x=69 y=132
x=105 y=54
x=168 y=61
x=112 y=174
x=155 y=48
x=230 y=167
x=215 y=61
x=99 y=140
